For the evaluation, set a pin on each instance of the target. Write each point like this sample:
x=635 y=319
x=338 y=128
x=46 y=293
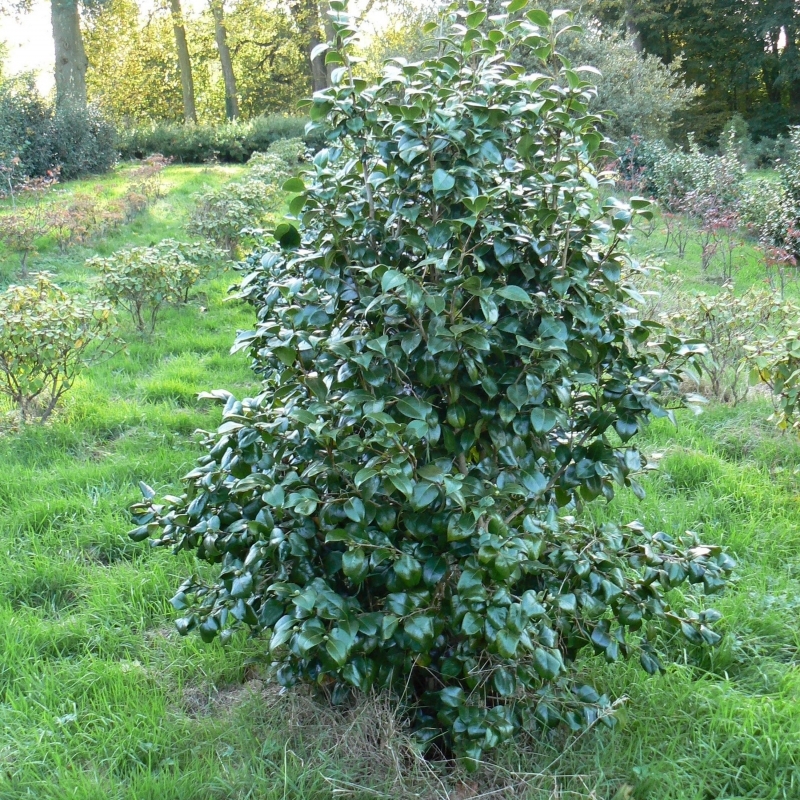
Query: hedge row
x=232 y=142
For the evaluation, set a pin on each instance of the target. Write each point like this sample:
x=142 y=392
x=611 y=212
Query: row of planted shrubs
x=38 y=215
x=710 y=202
x=717 y=192
x=199 y=144
x=47 y=336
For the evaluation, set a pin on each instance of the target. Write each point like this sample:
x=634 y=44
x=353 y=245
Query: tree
x=70 y=57
x=228 y=75
x=308 y=15
x=450 y=372
x=731 y=47
x=641 y=93
x=270 y=58
x=184 y=61
x=133 y=73
x=71 y=61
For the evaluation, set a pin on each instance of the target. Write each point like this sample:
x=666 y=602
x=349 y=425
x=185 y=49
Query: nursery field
x=101 y=698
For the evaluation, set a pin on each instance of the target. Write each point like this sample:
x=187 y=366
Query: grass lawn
x=100 y=698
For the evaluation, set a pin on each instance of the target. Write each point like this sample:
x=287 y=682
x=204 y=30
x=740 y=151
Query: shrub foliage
x=42 y=139
x=46 y=339
x=449 y=370
x=200 y=143
x=230 y=215
x=143 y=280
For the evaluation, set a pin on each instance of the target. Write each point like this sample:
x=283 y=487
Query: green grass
x=99 y=697
x=163 y=219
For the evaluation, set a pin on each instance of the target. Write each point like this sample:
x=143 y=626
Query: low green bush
x=768 y=153
x=25 y=123
x=143 y=280
x=83 y=143
x=231 y=142
x=728 y=324
x=450 y=372
x=224 y=215
x=46 y=339
x=280 y=162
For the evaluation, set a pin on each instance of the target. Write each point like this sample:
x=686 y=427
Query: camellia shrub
x=144 y=280
x=46 y=339
x=450 y=372
x=730 y=326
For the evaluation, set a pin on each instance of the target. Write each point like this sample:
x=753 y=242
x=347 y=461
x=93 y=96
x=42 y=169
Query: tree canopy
x=744 y=52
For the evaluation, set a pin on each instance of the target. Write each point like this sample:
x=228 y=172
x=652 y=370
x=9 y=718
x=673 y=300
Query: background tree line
x=667 y=67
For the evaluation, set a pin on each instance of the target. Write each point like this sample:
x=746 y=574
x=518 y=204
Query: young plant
x=147 y=180
x=450 y=371
x=46 y=339
x=728 y=325
x=21 y=230
x=143 y=280
x=776 y=363
x=223 y=217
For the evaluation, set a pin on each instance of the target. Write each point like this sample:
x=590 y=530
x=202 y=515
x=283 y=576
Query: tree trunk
x=184 y=62
x=330 y=37
x=307 y=19
x=71 y=61
x=228 y=75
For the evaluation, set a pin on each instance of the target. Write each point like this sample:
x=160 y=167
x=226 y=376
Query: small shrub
x=148 y=179
x=728 y=324
x=735 y=139
x=279 y=163
x=780 y=266
x=143 y=280
x=25 y=128
x=789 y=168
x=673 y=174
x=776 y=362
x=46 y=339
x=224 y=215
x=678 y=228
x=21 y=230
x=769 y=153
x=766 y=211
x=74 y=222
x=449 y=372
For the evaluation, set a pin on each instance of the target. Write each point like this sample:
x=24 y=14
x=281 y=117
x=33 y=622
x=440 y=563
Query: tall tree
x=133 y=73
x=184 y=61
x=71 y=62
x=70 y=57
x=746 y=53
x=228 y=75
x=308 y=17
